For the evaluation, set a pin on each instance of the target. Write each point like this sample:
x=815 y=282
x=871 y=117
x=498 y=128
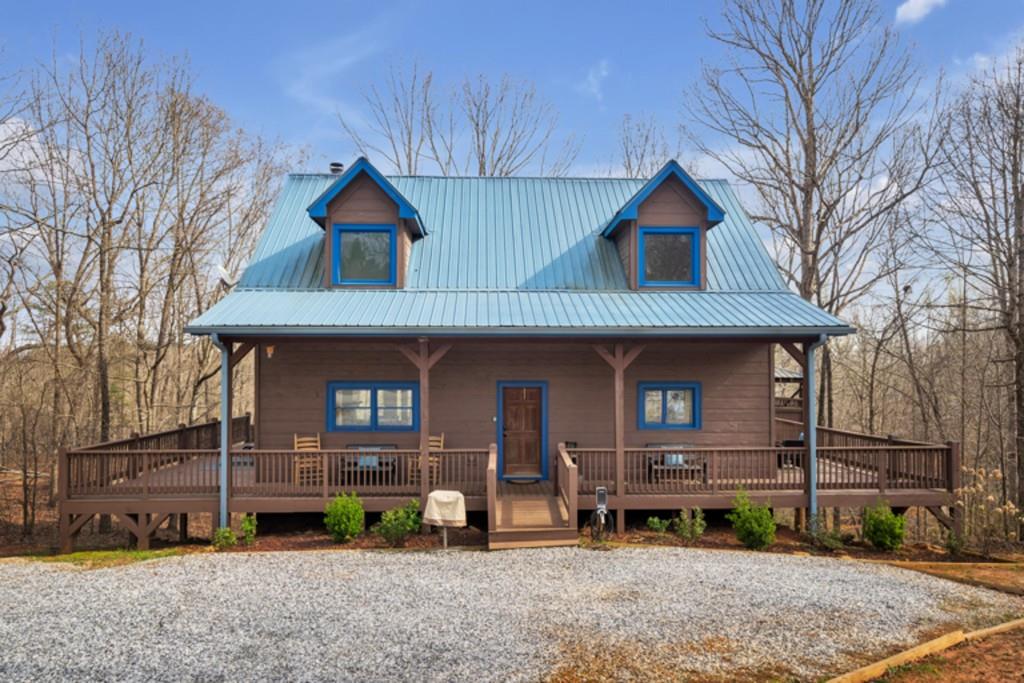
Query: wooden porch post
x=424 y=348
x=620 y=359
x=799 y=514
x=424 y=360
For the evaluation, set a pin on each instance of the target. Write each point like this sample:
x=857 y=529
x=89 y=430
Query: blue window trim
x=694 y=256
x=543 y=386
x=643 y=387
x=332 y=426
x=339 y=228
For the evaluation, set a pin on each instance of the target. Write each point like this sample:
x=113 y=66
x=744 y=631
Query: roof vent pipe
x=337 y=167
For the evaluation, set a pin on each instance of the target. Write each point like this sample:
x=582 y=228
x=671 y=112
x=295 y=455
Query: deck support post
x=953 y=473
x=811 y=428
x=183 y=527
x=225 y=428
x=620 y=359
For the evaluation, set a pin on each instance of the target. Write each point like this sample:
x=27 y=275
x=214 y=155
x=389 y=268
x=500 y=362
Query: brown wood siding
x=363 y=201
x=735 y=380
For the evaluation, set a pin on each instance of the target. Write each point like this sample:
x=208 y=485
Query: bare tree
x=819 y=105
x=484 y=128
x=401 y=117
x=980 y=211
x=510 y=127
x=643 y=147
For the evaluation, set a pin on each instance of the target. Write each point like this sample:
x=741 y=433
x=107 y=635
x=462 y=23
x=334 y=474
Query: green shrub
x=248 y=529
x=344 y=517
x=658 y=525
x=954 y=543
x=397 y=524
x=224 y=538
x=883 y=528
x=690 y=525
x=819 y=536
x=754 y=524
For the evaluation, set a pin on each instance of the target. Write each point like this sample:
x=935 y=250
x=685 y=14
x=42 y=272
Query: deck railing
x=567 y=480
x=492 y=488
x=708 y=470
x=460 y=469
x=205 y=435
x=120 y=473
x=829 y=436
x=596 y=467
x=685 y=470
x=324 y=474
x=139 y=474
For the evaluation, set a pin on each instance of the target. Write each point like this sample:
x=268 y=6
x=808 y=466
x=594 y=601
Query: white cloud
x=593 y=84
x=913 y=11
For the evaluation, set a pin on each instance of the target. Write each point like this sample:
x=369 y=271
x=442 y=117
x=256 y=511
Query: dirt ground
x=990 y=660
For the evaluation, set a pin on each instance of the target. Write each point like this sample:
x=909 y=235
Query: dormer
x=368 y=227
x=661 y=232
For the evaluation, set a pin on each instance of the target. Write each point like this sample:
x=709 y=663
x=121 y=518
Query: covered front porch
x=527 y=430
x=144 y=483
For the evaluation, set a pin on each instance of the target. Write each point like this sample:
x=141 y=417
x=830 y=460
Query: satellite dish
x=227 y=280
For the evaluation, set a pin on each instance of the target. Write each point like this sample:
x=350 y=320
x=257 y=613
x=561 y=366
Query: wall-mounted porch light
x=270 y=351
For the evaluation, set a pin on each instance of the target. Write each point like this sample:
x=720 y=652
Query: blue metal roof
x=509 y=255
x=253 y=311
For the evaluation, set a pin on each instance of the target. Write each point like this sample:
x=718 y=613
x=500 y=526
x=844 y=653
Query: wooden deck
x=142 y=486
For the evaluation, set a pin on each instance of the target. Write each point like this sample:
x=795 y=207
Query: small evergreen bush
x=754 y=524
x=690 y=525
x=224 y=538
x=344 y=517
x=658 y=525
x=248 y=529
x=397 y=524
x=884 y=528
x=954 y=543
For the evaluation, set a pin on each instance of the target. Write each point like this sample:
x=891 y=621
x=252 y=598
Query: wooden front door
x=522 y=438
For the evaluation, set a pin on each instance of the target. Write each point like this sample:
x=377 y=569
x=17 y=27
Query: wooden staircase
x=531 y=516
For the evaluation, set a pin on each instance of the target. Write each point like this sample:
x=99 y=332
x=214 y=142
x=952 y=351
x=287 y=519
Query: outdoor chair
x=673 y=463
x=308 y=470
x=436 y=443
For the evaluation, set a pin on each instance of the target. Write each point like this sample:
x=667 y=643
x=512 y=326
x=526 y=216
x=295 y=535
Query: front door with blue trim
x=522 y=430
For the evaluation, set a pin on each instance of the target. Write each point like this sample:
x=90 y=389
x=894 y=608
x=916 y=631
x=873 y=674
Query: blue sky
x=285 y=69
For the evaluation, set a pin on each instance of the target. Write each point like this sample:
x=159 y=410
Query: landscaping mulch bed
x=789 y=542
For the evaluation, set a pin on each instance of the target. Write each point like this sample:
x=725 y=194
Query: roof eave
x=673 y=332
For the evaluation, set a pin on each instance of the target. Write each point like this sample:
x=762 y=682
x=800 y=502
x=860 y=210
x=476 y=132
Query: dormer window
x=364 y=255
x=669 y=257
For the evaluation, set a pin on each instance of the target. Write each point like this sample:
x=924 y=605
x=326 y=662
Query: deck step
x=531 y=537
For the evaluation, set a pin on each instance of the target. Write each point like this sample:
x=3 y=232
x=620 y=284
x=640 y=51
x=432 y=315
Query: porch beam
x=620 y=359
x=795 y=354
x=240 y=353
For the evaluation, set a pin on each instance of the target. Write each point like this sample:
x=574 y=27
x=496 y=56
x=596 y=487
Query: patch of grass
x=100 y=559
x=911 y=669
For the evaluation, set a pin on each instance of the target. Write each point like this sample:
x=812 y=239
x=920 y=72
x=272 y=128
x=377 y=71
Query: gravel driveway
x=464 y=615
